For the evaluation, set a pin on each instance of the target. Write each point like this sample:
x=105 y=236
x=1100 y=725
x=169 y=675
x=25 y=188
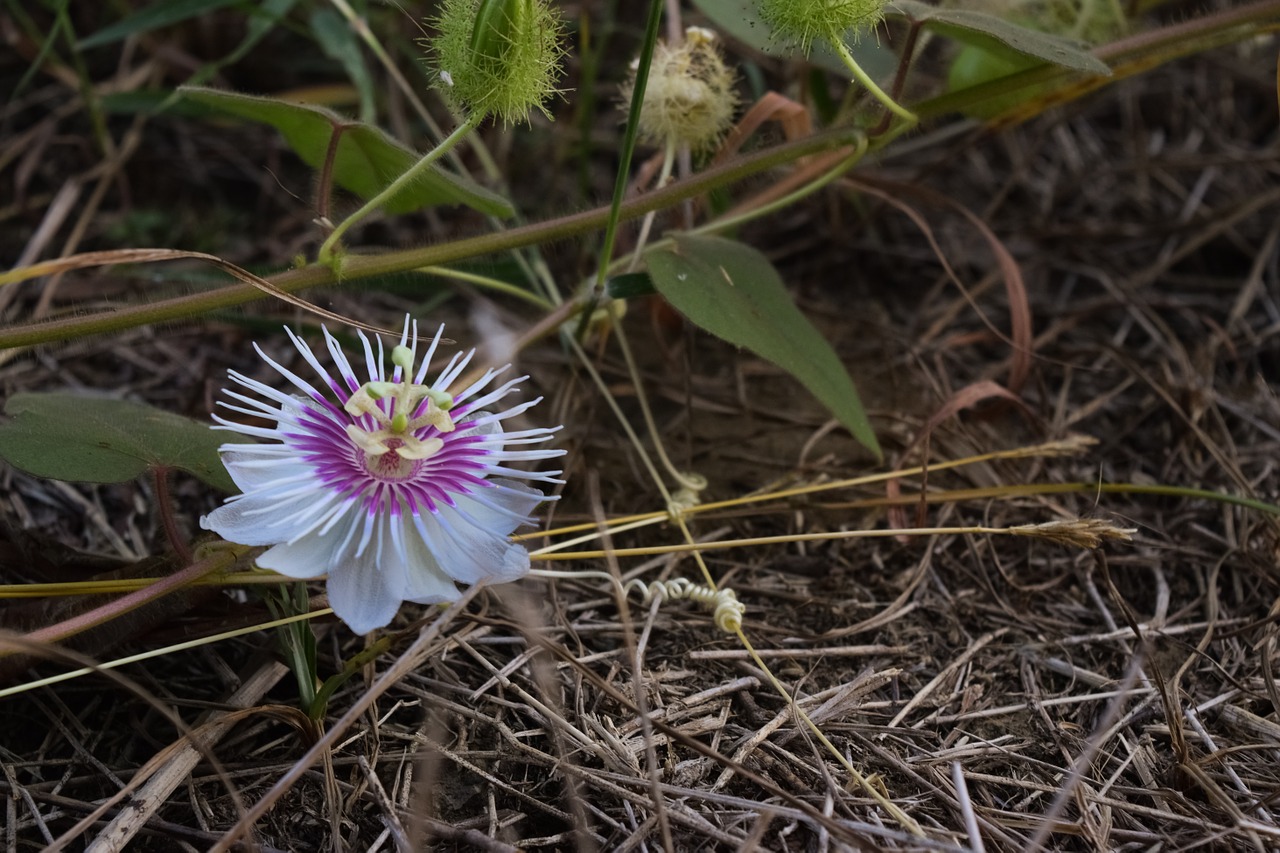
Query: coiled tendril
x=726 y=609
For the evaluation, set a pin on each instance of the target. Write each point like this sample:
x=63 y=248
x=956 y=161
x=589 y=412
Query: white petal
x=410 y=330
x=382 y=360
x=272 y=434
x=230 y=522
x=258 y=388
x=528 y=436
x=254 y=520
x=360 y=595
x=412 y=570
x=309 y=557
x=524 y=455
x=468 y=554
x=256 y=407
x=249 y=474
x=518 y=409
x=536 y=476
x=501 y=510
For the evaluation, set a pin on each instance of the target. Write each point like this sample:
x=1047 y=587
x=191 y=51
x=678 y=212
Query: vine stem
x=489 y=283
x=392 y=189
x=367 y=266
x=668 y=160
x=694 y=482
x=865 y=79
x=216 y=561
x=629 y=137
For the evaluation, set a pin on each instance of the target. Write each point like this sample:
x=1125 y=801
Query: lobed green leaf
x=85 y=439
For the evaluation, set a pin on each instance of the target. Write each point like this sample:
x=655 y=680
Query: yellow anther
x=370 y=442
x=420 y=449
x=438 y=418
x=442 y=399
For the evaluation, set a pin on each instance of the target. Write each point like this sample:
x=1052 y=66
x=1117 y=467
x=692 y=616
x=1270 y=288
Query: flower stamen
x=400 y=431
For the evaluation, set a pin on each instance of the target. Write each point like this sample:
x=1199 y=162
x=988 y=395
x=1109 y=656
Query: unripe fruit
x=498 y=57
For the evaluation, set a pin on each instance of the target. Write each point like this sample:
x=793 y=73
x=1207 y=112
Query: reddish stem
x=325 y=187
x=900 y=78
x=120 y=606
x=164 y=506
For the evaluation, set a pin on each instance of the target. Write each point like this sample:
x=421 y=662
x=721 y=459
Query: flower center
x=390 y=467
x=393 y=449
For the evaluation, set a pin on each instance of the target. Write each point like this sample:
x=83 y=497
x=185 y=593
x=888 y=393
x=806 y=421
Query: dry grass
x=1006 y=692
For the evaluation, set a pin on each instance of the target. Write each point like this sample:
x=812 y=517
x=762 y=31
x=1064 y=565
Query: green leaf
x=148 y=102
x=103 y=440
x=154 y=17
x=974 y=66
x=739 y=19
x=339 y=42
x=998 y=36
x=367 y=160
x=733 y=292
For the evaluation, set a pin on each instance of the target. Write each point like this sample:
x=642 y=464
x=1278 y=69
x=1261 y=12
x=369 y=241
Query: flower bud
x=801 y=22
x=689 y=97
x=498 y=57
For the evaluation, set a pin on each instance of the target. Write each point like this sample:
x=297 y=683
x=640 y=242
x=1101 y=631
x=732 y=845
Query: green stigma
x=402 y=357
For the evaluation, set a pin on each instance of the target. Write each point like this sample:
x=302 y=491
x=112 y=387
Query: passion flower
x=393 y=488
